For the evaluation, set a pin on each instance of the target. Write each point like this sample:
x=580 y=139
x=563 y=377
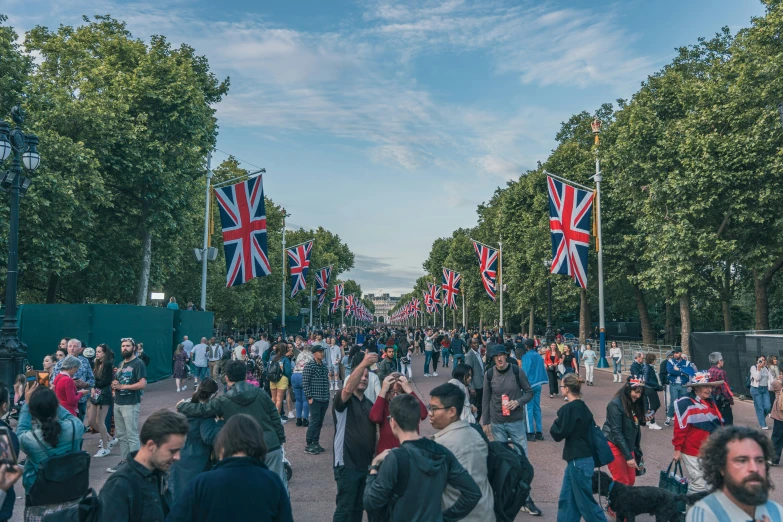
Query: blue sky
x=388 y=122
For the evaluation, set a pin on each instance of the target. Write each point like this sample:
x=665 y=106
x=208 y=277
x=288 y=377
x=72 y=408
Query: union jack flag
x=451 y=281
x=488 y=265
x=428 y=303
x=321 y=282
x=434 y=296
x=416 y=307
x=349 y=305
x=569 y=225
x=299 y=259
x=243 y=220
x=338 y=298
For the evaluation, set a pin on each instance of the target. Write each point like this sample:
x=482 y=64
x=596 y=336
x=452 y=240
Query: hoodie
x=242 y=398
x=431 y=468
x=533 y=366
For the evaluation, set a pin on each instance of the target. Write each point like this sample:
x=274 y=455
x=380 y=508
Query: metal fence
x=629 y=349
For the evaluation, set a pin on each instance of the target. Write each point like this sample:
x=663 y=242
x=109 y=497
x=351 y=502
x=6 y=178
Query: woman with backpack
x=574 y=424
x=56 y=433
x=278 y=373
x=624 y=416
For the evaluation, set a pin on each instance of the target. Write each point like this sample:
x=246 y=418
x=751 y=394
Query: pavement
x=313 y=488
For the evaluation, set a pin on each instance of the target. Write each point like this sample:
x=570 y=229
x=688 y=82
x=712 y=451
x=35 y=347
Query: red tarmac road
x=313 y=487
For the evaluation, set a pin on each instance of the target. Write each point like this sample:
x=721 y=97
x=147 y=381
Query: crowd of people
x=209 y=459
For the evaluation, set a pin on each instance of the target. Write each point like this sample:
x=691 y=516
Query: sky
x=388 y=122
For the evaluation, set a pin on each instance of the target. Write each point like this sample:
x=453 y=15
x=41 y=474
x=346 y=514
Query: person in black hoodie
x=574 y=422
x=230 y=490
x=429 y=468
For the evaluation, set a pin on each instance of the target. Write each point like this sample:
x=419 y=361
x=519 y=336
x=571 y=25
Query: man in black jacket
x=423 y=466
x=138 y=491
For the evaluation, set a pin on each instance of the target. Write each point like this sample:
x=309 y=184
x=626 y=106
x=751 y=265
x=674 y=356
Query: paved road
x=313 y=487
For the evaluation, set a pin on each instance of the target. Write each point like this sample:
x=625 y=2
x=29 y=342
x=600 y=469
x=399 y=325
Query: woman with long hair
x=45 y=430
x=569 y=361
x=48 y=364
x=393 y=385
x=60 y=354
x=759 y=390
x=279 y=388
x=616 y=354
x=195 y=454
x=651 y=388
x=624 y=416
x=551 y=360
x=180 y=359
x=573 y=424
x=461 y=377
x=101 y=398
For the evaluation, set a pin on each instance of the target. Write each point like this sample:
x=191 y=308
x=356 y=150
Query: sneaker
x=305 y=423
x=531 y=508
x=426 y=374
x=298 y=422
x=291 y=415
x=667 y=422
x=310 y=450
x=434 y=374
x=765 y=428
x=283 y=420
x=102 y=453
x=184 y=388
x=113 y=442
x=100 y=444
x=654 y=426
x=317 y=447
x=115 y=468
x=178 y=390
x=539 y=435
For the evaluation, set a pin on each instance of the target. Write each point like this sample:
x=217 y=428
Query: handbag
x=561 y=368
x=61 y=478
x=599 y=447
x=675 y=482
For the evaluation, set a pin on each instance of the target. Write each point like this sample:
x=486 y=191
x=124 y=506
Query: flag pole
x=311 y=307
x=463 y=309
x=602 y=362
x=282 y=317
x=500 y=270
x=206 y=237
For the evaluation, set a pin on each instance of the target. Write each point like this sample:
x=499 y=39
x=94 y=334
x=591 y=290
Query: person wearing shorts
x=278 y=389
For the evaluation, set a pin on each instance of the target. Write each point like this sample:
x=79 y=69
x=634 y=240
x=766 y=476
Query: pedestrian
x=180 y=359
x=214 y=356
x=230 y=491
x=129 y=381
x=721 y=394
x=735 y=461
x=245 y=398
x=457 y=348
x=506 y=392
x=774 y=369
x=446 y=407
x=551 y=361
x=315 y=386
x=624 y=417
x=569 y=361
x=589 y=357
x=172 y=304
x=476 y=364
x=445 y=351
x=195 y=454
x=406 y=368
x=430 y=468
x=302 y=404
x=332 y=359
x=64 y=386
x=55 y=432
x=200 y=360
x=388 y=364
x=777 y=419
x=83 y=378
x=139 y=491
x=651 y=388
x=573 y=424
x=461 y=377
x=679 y=371
x=354 y=440
x=697 y=416
x=616 y=354
x=429 y=350
x=279 y=372
x=637 y=365
x=393 y=385
x=102 y=399
x=533 y=366
x=759 y=390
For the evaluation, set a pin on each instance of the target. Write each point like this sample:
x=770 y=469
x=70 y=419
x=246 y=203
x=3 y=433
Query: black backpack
x=510 y=475
x=273 y=372
x=90 y=508
x=61 y=478
x=403 y=472
x=227 y=353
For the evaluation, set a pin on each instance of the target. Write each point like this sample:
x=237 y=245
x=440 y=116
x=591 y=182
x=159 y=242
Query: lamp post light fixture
x=549 y=334
x=13 y=352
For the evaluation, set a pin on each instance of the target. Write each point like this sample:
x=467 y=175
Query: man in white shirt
x=260 y=346
x=200 y=360
x=736 y=464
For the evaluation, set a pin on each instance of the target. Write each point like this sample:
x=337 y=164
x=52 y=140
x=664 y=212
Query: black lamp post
x=549 y=334
x=13 y=352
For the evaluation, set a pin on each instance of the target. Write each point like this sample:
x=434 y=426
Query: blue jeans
x=302 y=406
x=459 y=359
x=676 y=391
x=618 y=364
x=201 y=372
x=576 y=494
x=445 y=353
x=533 y=409
x=761 y=404
x=109 y=415
x=513 y=431
x=427 y=359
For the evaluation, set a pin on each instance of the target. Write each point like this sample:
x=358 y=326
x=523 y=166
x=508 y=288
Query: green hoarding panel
x=42 y=326
x=193 y=324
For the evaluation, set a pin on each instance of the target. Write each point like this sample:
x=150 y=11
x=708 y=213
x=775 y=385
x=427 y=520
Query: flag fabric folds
x=338 y=298
x=243 y=220
x=299 y=263
x=451 y=282
x=321 y=283
x=569 y=225
x=488 y=265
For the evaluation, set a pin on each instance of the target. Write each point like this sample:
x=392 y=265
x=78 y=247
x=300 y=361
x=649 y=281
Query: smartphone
x=7 y=453
x=31 y=376
x=39 y=376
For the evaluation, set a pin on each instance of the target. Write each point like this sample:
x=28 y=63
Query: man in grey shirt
x=200 y=360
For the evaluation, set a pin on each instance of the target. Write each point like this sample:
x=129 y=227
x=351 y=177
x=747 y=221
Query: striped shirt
x=718 y=508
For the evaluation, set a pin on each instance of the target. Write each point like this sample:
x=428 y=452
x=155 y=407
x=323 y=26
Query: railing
x=630 y=348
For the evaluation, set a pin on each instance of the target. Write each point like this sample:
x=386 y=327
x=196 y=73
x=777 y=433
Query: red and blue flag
x=488 y=265
x=299 y=264
x=569 y=224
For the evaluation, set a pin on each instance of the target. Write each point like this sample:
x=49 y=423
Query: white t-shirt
x=373 y=386
x=615 y=353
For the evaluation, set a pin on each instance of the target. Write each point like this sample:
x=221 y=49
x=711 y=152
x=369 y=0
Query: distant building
x=383 y=305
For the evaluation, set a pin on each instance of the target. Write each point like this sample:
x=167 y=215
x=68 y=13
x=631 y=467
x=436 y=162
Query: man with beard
x=139 y=491
x=735 y=461
x=130 y=379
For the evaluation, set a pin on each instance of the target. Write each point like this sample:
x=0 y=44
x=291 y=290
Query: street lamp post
x=13 y=352
x=549 y=334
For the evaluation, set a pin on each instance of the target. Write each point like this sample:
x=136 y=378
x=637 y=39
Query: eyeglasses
x=128 y=340
x=431 y=408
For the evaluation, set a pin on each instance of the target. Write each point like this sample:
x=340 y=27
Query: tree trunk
x=668 y=334
x=585 y=324
x=532 y=323
x=481 y=321
x=761 y=283
x=146 y=262
x=727 y=324
x=648 y=335
x=52 y=287
x=685 y=318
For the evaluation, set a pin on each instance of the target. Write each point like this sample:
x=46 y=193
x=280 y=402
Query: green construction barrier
x=42 y=326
